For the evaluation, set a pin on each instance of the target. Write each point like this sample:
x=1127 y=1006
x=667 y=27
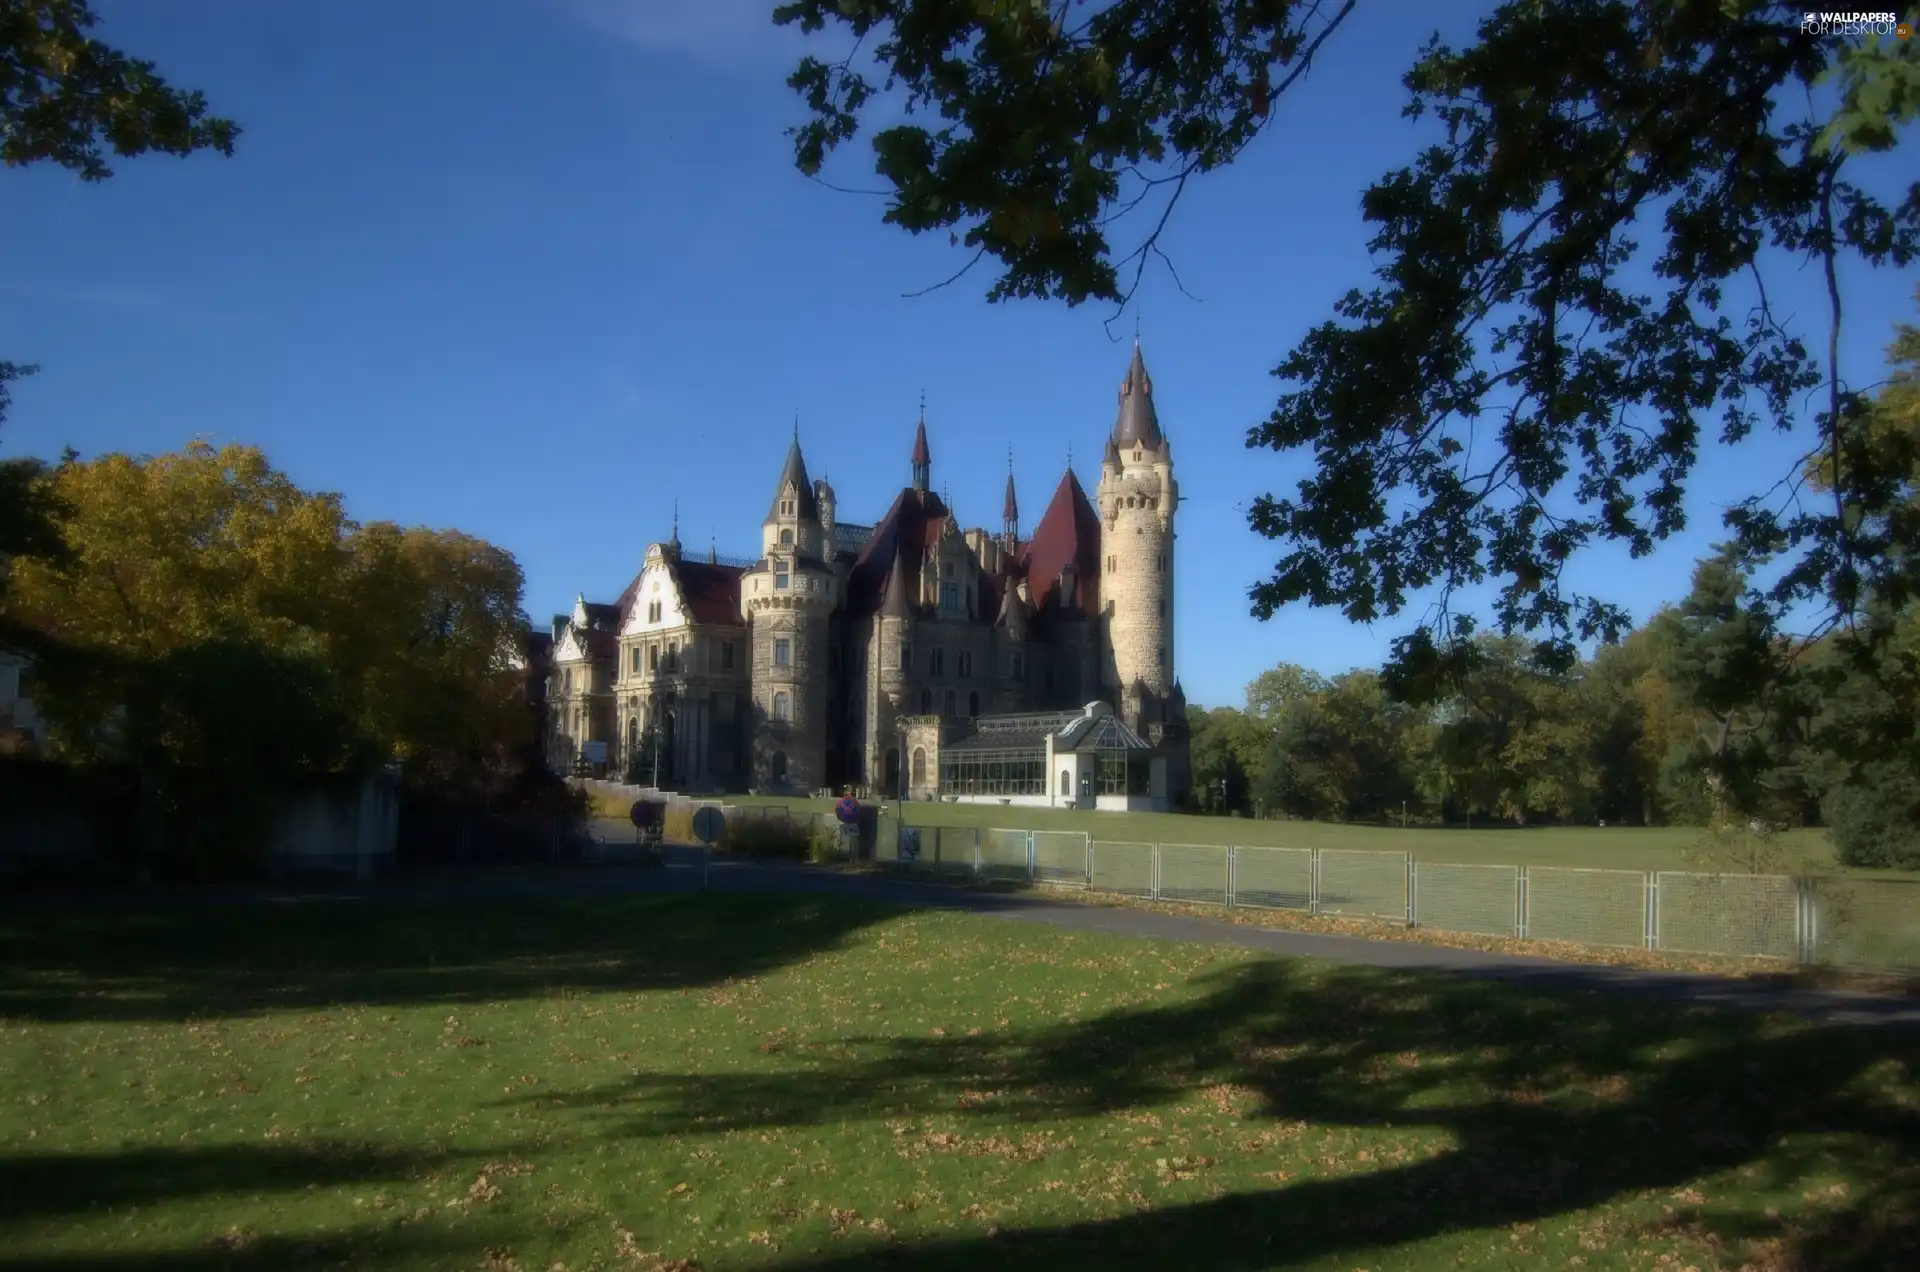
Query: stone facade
x=821 y=662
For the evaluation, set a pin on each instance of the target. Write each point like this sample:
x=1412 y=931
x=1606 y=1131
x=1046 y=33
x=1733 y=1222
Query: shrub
x=779 y=841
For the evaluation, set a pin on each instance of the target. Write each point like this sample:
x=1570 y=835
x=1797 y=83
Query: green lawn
x=1620 y=848
x=787 y=1082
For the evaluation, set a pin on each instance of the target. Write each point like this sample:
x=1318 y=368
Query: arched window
x=1066 y=781
x=566 y=681
x=919 y=766
x=779 y=766
x=926 y=702
x=973 y=706
x=633 y=731
x=946 y=707
x=782 y=706
x=786 y=538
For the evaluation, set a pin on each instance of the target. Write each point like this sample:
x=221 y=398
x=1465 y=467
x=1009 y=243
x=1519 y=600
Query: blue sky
x=536 y=268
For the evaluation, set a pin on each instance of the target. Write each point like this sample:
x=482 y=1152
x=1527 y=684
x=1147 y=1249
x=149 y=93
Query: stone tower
x=1137 y=497
x=786 y=600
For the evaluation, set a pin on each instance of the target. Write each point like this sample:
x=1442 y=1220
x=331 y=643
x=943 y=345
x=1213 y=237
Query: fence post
x=1233 y=873
x=1153 y=856
x=1653 y=909
x=1313 y=881
x=976 y=852
x=1033 y=869
x=1806 y=913
x=1413 y=892
x=1090 y=848
x=1520 y=903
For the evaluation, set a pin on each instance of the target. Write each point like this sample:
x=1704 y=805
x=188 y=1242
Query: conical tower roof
x=1010 y=507
x=794 y=473
x=1137 y=424
x=894 y=603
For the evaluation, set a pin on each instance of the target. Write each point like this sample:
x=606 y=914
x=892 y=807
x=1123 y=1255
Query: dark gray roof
x=1101 y=733
x=1138 y=424
x=794 y=473
x=1071 y=731
x=850 y=538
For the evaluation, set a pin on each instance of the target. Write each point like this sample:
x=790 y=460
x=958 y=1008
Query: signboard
x=848 y=811
x=709 y=825
x=594 y=752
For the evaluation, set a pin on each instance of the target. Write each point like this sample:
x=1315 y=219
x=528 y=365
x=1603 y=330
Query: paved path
x=686 y=870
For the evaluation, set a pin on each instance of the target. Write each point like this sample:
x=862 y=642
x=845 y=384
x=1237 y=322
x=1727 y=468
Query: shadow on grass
x=173 y=963
x=354 y=1249
x=1552 y=1104
x=36 y=1187
x=43 y=1185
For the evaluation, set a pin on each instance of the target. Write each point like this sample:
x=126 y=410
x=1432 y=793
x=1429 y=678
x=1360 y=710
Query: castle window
x=636 y=658
x=786 y=538
x=1163 y=656
x=726 y=655
x=653 y=657
x=673 y=656
x=973 y=706
x=782 y=707
x=786 y=507
x=567 y=681
x=906 y=656
x=966 y=663
x=780 y=579
x=946 y=569
x=919 y=766
x=1160 y=564
x=926 y=702
x=946 y=706
x=949 y=596
x=782 y=652
x=1066 y=781
x=1162 y=607
x=936 y=661
x=779 y=766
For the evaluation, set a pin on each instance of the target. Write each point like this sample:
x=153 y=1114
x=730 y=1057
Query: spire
x=713 y=548
x=1137 y=423
x=794 y=473
x=922 y=454
x=894 y=603
x=676 y=524
x=1010 y=509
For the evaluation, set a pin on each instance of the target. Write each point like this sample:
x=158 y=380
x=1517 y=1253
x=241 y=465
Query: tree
x=1505 y=298
x=67 y=98
x=230 y=633
x=1276 y=690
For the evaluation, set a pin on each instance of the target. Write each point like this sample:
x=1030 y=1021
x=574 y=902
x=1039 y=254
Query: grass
x=755 y=1081
x=1613 y=847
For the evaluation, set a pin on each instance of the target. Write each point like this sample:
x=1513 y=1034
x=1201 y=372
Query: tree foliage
x=231 y=633
x=1511 y=391
x=70 y=99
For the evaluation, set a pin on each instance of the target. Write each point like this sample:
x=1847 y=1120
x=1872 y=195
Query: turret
x=786 y=600
x=823 y=499
x=793 y=518
x=1137 y=499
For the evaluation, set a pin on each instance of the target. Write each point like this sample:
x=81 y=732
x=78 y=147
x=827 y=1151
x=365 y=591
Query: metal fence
x=1841 y=921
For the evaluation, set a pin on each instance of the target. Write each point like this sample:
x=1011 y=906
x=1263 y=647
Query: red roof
x=711 y=592
x=1069 y=530
x=912 y=526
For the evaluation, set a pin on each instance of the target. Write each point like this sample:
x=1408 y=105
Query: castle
x=888 y=656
